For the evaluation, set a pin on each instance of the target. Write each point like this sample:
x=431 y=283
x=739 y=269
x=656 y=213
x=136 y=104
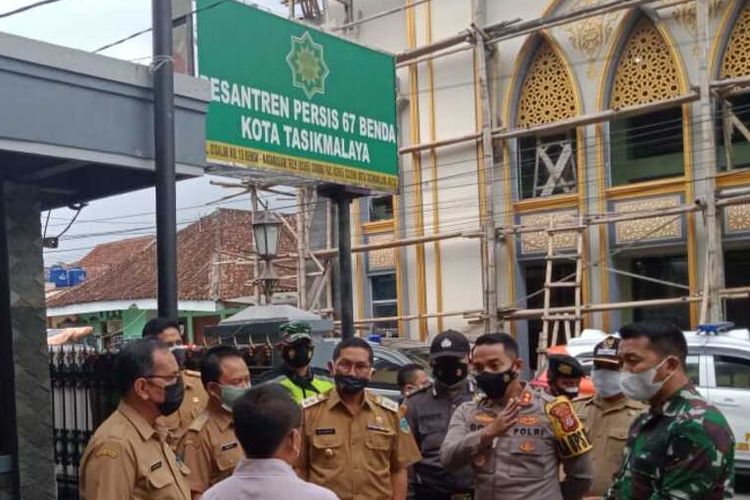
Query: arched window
x=733 y=137
x=648 y=146
x=546 y=164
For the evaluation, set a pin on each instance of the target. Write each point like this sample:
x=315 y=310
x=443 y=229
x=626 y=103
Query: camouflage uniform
x=685 y=449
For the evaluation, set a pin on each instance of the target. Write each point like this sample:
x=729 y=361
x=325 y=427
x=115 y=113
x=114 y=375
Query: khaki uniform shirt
x=354 y=455
x=523 y=463
x=193 y=403
x=607 y=425
x=127 y=459
x=209 y=448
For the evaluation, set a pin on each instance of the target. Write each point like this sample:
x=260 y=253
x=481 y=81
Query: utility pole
x=164 y=158
x=712 y=310
x=343 y=203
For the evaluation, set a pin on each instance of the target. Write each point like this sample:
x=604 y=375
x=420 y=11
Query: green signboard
x=289 y=98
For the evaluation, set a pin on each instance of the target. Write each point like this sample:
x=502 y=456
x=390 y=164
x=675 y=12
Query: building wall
x=442 y=189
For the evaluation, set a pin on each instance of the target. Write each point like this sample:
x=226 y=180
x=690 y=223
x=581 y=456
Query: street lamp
x=266 y=227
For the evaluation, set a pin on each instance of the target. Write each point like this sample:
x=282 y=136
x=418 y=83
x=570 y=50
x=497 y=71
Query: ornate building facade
x=635 y=72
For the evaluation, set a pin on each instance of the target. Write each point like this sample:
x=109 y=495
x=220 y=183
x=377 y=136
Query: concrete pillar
x=24 y=282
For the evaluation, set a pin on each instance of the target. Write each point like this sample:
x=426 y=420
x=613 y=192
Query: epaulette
x=198 y=422
x=388 y=404
x=313 y=400
x=418 y=391
x=191 y=373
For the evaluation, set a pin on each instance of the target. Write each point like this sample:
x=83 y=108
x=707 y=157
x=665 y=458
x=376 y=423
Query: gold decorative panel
x=547 y=93
x=652 y=229
x=737 y=219
x=589 y=35
x=647 y=72
x=686 y=15
x=736 y=61
x=384 y=258
x=537 y=242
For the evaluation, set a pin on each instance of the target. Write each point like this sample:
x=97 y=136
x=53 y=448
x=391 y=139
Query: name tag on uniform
x=155 y=466
x=325 y=432
x=376 y=428
x=229 y=446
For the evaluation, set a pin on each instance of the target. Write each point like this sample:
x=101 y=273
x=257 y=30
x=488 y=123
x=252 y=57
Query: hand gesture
x=504 y=421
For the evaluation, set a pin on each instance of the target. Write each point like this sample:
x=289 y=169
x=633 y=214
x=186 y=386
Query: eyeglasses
x=348 y=366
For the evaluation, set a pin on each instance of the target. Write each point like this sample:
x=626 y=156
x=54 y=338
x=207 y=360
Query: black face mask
x=450 y=371
x=494 y=385
x=349 y=384
x=173 y=395
x=297 y=355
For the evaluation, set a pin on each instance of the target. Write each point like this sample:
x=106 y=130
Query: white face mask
x=606 y=382
x=642 y=386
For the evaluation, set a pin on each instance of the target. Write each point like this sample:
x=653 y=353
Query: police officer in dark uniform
x=564 y=374
x=429 y=412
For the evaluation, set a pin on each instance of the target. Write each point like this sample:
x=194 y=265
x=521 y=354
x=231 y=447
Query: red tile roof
x=214 y=262
x=110 y=254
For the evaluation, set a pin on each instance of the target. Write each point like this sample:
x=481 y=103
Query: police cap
x=562 y=365
x=449 y=343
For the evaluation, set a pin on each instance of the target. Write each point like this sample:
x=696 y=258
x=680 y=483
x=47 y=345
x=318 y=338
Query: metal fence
x=83 y=397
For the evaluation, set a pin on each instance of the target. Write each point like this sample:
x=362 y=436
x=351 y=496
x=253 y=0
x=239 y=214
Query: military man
x=295 y=374
x=516 y=438
x=176 y=424
x=682 y=447
x=564 y=373
x=127 y=457
x=354 y=442
x=429 y=411
x=607 y=415
x=210 y=448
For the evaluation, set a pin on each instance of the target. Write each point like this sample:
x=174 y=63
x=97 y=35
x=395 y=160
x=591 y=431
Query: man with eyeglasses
x=354 y=442
x=168 y=332
x=127 y=457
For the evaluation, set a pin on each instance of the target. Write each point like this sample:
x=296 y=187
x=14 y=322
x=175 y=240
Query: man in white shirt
x=267 y=423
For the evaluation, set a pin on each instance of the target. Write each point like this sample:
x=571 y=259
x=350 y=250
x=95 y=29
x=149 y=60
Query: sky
x=88 y=25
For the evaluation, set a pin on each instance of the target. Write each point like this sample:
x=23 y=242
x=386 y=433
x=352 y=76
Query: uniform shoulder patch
x=567 y=428
x=313 y=400
x=199 y=422
x=108 y=449
x=388 y=404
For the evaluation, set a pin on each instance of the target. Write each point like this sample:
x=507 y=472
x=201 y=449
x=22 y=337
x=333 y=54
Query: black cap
x=606 y=351
x=449 y=343
x=562 y=365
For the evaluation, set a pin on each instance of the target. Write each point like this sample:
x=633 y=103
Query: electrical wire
x=25 y=8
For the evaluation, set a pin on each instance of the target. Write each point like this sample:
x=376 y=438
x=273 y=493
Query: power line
x=26 y=8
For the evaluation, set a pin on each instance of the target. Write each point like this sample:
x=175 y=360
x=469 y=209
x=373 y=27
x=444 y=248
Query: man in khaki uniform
x=607 y=415
x=210 y=448
x=127 y=458
x=516 y=438
x=353 y=442
x=176 y=424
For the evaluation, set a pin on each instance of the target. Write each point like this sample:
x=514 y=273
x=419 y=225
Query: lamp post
x=266 y=227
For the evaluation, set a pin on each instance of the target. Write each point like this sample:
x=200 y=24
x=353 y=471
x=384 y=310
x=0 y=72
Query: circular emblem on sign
x=446 y=343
